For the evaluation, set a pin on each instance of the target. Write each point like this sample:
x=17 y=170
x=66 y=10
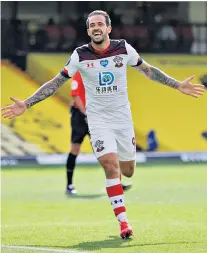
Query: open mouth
x=97 y=34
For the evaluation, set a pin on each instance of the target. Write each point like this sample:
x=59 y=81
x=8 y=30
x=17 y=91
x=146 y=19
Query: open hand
x=194 y=90
x=11 y=111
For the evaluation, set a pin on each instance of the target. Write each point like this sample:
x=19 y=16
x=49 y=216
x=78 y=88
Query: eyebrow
x=99 y=22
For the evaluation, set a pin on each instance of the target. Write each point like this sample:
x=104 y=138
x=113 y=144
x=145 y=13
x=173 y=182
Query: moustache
x=94 y=32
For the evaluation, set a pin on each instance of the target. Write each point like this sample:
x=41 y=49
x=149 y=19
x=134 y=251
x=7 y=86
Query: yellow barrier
x=47 y=123
x=177 y=119
x=43 y=67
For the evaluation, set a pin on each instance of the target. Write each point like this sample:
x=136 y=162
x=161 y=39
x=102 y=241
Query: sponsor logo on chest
x=106 y=84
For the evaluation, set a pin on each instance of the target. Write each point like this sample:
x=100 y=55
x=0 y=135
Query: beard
x=98 y=42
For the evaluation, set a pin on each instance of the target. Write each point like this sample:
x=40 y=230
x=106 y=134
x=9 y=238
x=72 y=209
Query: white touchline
x=42 y=249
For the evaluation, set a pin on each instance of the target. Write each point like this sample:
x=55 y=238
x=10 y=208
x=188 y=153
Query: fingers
x=13 y=99
x=194 y=95
x=6 y=107
x=198 y=93
x=9 y=106
x=201 y=86
x=8 y=114
x=198 y=89
x=190 y=78
x=5 y=112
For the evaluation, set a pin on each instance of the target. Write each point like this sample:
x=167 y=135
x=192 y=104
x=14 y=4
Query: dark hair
x=98 y=12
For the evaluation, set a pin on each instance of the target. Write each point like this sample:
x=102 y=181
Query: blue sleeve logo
x=106 y=78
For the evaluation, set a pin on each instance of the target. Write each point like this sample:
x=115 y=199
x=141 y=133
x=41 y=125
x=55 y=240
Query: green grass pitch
x=167 y=208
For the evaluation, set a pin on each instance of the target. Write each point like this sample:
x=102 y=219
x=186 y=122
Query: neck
x=101 y=46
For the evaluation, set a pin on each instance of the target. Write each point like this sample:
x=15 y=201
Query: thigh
x=126 y=144
x=102 y=141
x=79 y=127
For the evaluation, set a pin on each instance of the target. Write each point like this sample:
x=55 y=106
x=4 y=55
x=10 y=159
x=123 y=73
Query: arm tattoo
x=46 y=90
x=159 y=76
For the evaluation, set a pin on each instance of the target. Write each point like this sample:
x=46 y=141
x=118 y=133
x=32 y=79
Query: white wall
x=197 y=12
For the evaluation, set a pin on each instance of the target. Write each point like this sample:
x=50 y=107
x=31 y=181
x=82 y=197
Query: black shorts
x=78 y=125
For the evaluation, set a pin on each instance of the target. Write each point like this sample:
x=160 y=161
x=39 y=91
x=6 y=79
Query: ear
x=109 y=28
x=88 y=32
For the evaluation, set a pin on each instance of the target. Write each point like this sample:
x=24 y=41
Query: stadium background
x=167 y=204
x=37 y=40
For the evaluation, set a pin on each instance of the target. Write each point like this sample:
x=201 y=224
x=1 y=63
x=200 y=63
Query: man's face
x=98 y=30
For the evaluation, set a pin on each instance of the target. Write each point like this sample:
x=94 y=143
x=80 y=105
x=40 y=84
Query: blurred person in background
x=69 y=35
x=167 y=36
x=53 y=35
x=103 y=64
x=80 y=129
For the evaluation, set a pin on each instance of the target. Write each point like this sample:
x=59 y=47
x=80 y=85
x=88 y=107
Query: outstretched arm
x=46 y=90
x=157 y=75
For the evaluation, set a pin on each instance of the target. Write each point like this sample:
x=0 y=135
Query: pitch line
x=42 y=249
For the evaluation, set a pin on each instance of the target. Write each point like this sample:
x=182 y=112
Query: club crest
x=118 y=61
x=99 y=146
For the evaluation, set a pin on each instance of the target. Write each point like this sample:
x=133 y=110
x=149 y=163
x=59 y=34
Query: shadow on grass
x=117 y=242
x=112 y=242
x=86 y=196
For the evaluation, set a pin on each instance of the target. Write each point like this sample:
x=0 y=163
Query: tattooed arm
x=185 y=86
x=157 y=75
x=46 y=90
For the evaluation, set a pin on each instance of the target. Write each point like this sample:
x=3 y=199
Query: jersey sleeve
x=75 y=84
x=71 y=66
x=133 y=57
